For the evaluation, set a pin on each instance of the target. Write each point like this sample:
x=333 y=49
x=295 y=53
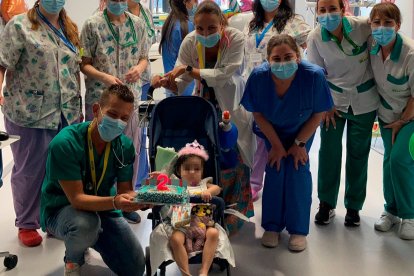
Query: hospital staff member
x=392 y=61
x=271 y=17
x=115 y=44
x=136 y=8
x=177 y=25
x=213 y=55
x=339 y=45
x=288 y=98
x=40 y=57
x=77 y=206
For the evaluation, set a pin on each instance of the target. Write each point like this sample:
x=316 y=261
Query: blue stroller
x=176 y=121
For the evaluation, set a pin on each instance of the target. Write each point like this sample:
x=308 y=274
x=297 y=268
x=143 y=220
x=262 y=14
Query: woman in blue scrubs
x=288 y=98
x=177 y=25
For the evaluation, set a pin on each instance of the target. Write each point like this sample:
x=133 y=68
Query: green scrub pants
x=358 y=145
x=398 y=172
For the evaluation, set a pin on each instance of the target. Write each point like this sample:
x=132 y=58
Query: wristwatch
x=189 y=69
x=299 y=143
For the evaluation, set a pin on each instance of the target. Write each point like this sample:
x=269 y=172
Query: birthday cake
x=174 y=194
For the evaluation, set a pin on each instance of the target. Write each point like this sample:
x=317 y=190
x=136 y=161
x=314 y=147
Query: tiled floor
x=332 y=250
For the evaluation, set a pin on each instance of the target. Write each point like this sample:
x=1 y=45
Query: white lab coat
x=226 y=80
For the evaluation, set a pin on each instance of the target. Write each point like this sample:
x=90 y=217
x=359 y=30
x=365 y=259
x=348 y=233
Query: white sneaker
x=270 y=239
x=407 y=229
x=386 y=222
x=72 y=269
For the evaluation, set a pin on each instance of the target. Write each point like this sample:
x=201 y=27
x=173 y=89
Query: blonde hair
x=71 y=29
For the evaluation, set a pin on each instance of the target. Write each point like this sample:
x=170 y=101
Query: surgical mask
x=52 y=6
x=330 y=21
x=136 y=1
x=117 y=8
x=270 y=5
x=384 y=35
x=110 y=128
x=208 y=41
x=192 y=11
x=284 y=70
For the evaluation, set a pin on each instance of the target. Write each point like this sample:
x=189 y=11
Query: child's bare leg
x=180 y=254
x=210 y=246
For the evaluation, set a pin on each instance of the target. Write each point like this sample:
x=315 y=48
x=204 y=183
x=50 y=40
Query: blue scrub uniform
x=170 y=51
x=287 y=194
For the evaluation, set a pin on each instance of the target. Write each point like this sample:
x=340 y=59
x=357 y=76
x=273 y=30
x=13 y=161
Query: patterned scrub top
x=42 y=76
x=296 y=27
x=110 y=57
x=150 y=30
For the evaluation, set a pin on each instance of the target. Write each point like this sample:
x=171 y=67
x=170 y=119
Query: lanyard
x=260 y=37
x=92 y=160
x=200 y=54
x=56 y=31
x=357 y=49
x=116 y=36
x=150 y=30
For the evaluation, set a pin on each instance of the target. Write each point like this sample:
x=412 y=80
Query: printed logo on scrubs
x=363 y=59
x=400 y=90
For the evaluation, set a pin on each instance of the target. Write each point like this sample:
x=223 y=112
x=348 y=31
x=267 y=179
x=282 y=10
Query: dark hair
x=119 y=90
x=280 y=39
x=210 y=7
x=389 y=10
x=178 y=12
x=341 y=5
x=283 y=14
x=180 y=161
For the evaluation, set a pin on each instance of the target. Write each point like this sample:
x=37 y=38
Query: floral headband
x=194 y=148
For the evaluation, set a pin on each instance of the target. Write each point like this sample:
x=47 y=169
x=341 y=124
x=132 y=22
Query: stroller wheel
x=148 y=261
x=10 y=261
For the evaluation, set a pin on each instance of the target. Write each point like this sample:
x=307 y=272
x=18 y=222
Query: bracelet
x=113 y=202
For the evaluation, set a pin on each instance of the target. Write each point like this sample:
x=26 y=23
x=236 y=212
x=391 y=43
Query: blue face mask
x=270 y=5
x=208 y=41
x=384 y=35
x=137 y=1
x=52 y=6
x=330 y=21
x=117 y=8
x=284 y=70
x=192 y=11
x=110 y=128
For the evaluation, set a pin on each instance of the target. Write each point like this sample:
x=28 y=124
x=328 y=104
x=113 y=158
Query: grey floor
x=332 y=250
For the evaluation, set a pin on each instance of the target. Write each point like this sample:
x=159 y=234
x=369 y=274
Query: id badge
x=256 y=58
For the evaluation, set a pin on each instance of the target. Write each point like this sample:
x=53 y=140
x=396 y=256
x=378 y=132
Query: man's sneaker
x=72 y=269
x=270 y=239
x=386 y=222
x=352 y=218
x=132 y=217
x=325 y=214
x=407 y=229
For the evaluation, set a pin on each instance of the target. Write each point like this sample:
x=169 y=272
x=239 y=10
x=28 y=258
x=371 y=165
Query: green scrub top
x=68 y=160
x=412 y=146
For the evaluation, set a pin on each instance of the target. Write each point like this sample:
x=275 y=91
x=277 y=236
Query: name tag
x=257 y=57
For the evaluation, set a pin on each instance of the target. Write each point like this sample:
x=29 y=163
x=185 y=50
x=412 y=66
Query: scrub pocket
x=28 y=106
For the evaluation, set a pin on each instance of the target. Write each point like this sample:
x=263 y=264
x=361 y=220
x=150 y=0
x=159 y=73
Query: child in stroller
x=202 y=235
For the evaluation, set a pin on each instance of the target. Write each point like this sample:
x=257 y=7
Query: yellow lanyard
x=92 y=160
x=200 y=54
